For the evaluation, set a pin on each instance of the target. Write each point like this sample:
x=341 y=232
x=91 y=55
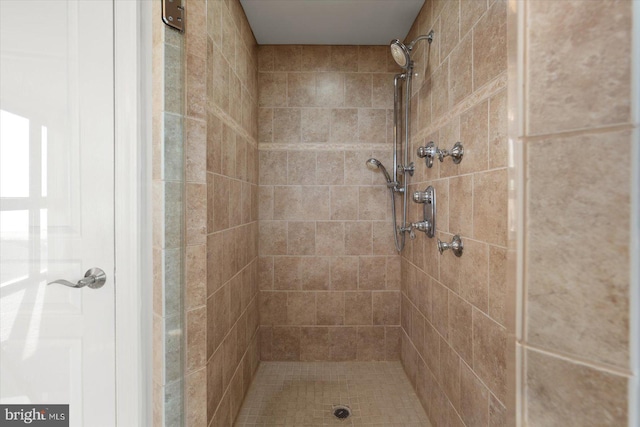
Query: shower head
x=377 y=164
x=400 y=53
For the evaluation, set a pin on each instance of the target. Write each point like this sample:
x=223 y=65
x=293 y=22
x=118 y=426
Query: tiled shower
x=277 y=243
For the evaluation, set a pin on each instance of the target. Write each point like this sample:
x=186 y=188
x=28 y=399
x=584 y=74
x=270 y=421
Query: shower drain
x=341 y=412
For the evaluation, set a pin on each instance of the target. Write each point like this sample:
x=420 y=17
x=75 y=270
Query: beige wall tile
x=386 y=308
x=301 y=89
x=490 y=44
x=265 y=125
x=196 y=398
x=460 y=332
x=498 y=149
x=196 y=151
x=301 y=238
x=196 y=275
x=490 y=207
x=372 y=125
x=474 y=137
x=473 y=283
x=470 y=12
x=450 y=27
x=369 y=339
x=344 y=273
x=372 y=58
x=301 y=308
x=214 y=382
x=344 y=125
x=196 y=324
x=591 y=83
x=461 y=205
x=315 y=273
x=343 y=203
x=449 y=372
x=382 y=90
x=474 y=398
x=440 y=309
x=330 y=238
x=561 y=392
x=440 y=80
x=330 y=168
x=344 y=58
x=315 y=125
x=373 y=203
x=272 y=89
x=568 y=293
x=358 y=90
x=315 y=58
x=489 y=353
x=301 y=168
x=314 y=344
x=287 y=58
x=286 y=343
x=358 y=308
x=219 y=202
x=273 y=238
x=286 y=125
x=460 y=72
x=358 y=238
x=371 y=272
x=286 y=273
x=341 y=341
x=355 y=170
x=498 y=284
x=329 y=90
x=497 y=412
x=273 y=169
x=330 y=308
x=273 y=308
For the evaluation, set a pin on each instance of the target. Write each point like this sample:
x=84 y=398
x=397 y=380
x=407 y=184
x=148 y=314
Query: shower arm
x=428 y=37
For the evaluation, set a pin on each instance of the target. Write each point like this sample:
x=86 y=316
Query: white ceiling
x=330 y=22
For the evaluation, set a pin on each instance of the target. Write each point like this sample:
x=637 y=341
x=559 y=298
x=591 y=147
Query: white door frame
x=133 y=290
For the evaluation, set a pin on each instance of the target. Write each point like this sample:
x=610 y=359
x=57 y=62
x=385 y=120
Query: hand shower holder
x=428 y=199
x=430 y=152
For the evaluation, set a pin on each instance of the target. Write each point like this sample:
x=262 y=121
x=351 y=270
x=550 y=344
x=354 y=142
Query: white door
x=56 y=208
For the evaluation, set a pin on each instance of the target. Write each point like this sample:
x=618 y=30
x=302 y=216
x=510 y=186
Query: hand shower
x=377 y=164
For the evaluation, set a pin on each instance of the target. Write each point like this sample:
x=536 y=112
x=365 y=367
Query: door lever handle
x=94 y=278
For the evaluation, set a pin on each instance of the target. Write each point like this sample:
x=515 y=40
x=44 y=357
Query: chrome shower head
x=400 y=53
x=377 y=164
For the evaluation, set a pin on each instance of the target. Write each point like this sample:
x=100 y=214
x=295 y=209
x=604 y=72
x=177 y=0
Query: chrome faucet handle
x=456 y=153
x=430 y=151
x=456 y=246
x=424 y=226
x=422 y=196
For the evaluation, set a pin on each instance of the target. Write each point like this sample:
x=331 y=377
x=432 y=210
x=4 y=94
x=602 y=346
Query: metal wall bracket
x=173 y=14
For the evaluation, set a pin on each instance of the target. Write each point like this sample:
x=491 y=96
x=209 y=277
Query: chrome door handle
x=94 y=278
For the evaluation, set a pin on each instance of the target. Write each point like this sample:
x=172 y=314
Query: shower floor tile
x=306 y=393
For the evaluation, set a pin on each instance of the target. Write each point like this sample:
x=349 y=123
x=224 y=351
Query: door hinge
x=173 y=14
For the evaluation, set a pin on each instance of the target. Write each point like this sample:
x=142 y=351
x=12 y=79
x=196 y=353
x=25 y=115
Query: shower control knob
x=430 y=151
x=456 y=246
x=422 y=197
x=424 y=226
